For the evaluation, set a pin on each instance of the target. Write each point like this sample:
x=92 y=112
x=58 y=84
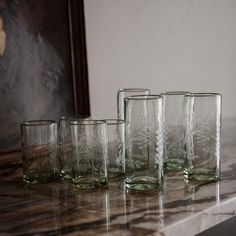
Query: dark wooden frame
x=79 y=58
x=75 y=19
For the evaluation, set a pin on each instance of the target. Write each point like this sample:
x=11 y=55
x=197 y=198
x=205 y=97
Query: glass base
x=200 y=175
x=175 y=165
x=88 y=183
x=142 y=183
x=39 y=179
x=66 y=174
x=115 y=174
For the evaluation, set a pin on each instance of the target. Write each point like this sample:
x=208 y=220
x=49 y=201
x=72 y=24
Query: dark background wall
x=35 y=65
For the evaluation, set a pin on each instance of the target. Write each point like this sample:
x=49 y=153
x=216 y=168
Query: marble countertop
x=56 y=209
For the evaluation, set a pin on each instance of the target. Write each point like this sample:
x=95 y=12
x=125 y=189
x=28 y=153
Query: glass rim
x=87 y=122
x=73 y=117
x=37 y=122
x=114 y=121
x=144 y=97
x=62 y=118
x=176 y=93
x=203 y=95
x=134 y=90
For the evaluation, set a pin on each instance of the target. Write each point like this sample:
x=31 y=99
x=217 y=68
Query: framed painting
x=43 y=64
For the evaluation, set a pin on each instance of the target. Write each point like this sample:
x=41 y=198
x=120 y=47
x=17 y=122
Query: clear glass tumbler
x=174 y=154
x=123 y=93
x=39 y=146
x=116 y=147
x=144 y=141
x=89 y=153
x=202 y=136
x=64 y=146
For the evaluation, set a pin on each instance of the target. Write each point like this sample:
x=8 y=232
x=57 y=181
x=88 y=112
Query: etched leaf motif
x=139 y=137
x=202 y=140
x=116 y=154
x=174 y=142
x=159 y=147
x=139 y=144
x=98 y=158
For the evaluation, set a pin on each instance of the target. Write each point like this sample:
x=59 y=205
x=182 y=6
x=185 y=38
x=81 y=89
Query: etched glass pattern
x=89 y=153
x=174 y=154
x=39 y=147
x=202 y=138
x=116 y=147
x=144 y=142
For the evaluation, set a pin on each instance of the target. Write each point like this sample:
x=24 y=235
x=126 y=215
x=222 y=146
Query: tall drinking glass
x=174 y=154
x=39 y=146
x=202 y=136
x=116 y=147
x=123 y=93
x=89 y=152
x=144 y=141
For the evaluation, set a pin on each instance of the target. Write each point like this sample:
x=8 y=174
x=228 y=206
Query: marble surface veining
x=56 y=209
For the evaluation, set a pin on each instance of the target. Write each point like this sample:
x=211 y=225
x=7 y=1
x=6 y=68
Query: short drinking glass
x=39 y=146
x=89 y=148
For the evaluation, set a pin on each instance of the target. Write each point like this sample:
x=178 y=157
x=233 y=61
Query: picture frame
x=43 y=64
x=79 y=58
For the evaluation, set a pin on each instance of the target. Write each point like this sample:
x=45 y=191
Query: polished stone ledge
x=55 y=208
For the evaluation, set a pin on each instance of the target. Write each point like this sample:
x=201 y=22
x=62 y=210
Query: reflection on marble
x=56 y=209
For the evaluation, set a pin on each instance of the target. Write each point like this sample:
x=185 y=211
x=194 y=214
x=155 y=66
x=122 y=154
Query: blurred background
x=162 y=45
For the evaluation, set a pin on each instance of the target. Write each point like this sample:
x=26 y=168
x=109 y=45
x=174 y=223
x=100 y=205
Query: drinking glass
x=144 y=141
x=202 y=136
x=174 y=154
x=89 y=153
x=123 y=93
x=64 y=146
x=39 y=146
x=116 y=147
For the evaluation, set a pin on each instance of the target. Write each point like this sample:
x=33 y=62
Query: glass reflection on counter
x=93 y=207
x=145 y=208
x=43 y=209
x=208 y=191
x=64 y=209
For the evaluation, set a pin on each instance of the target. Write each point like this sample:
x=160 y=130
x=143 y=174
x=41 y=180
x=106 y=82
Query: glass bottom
x=203 y=175
x=88 y=183
x=142 y=183
x=66 y=174
x=39 y=178
x=174 y=165
x=115 y=173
